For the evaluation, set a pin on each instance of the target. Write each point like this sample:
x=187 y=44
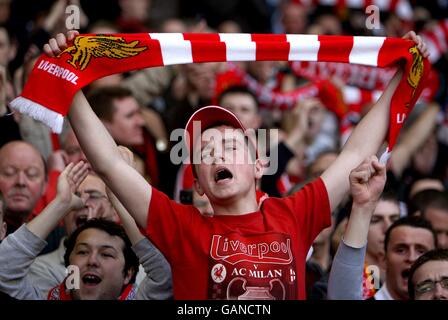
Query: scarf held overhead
x=53 y=82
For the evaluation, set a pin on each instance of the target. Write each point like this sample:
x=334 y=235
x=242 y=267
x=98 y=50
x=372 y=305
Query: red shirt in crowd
x=259 y=255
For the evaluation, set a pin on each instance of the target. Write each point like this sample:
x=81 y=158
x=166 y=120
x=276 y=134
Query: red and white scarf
x=54 y=81
x=273 y=98
x=365 y=85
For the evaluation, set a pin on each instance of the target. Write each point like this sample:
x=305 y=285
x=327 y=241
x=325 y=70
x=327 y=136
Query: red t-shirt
x=260 y=255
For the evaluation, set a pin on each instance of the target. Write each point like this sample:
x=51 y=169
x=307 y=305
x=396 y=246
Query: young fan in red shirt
x=241 y=252
x=257 y=254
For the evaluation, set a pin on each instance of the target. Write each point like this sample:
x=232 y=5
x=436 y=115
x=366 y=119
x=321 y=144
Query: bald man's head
x=22 y=179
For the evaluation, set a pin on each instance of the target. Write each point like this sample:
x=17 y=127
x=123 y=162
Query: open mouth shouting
x=91 y=280
x=223 y=175
x=405 y=274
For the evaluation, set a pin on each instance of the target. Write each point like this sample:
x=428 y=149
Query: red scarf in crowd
x=54 y=81
x=273 y=98
x=364 y=85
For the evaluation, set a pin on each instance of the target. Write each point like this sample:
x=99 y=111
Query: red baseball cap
x=209 y=116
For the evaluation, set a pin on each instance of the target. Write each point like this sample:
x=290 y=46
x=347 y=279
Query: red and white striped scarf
x=365 y=77
x=273 y=98
x=365 y=84
x=54 y=81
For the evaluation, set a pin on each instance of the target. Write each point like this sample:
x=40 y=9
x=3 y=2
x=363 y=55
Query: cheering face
x=431 y=281
x=386 y=212
x=227 y=170
x=99 y=257
x=22 y=177
x=405 y=245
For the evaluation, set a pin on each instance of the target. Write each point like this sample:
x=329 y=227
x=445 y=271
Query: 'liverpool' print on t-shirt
x=252 y=267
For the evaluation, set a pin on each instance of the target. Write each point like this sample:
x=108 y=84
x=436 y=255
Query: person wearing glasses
x=406 y=240
x=428 y=278
x=105 y=253
x=48 y=270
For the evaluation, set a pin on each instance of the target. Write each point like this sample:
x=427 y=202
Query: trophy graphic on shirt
x=250 y=292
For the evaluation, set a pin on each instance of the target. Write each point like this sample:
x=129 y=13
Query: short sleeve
x=167 y=222
x=310 y=208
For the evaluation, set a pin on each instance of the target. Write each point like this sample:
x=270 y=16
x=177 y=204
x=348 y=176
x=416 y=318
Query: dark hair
x=412 y=221
x=237 y=89
x=102 y=100
x=433 y=255
x=390 y=195
x=438 y=201
x=113 y=229
x=429 y=198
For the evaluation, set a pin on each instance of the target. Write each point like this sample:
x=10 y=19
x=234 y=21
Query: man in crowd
x=22 y=181
x=386 y=212
x=436 y=212
x=100 y=253
x=406 y=240
x=49 y=270
x=120 y=113
x=428 y=278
